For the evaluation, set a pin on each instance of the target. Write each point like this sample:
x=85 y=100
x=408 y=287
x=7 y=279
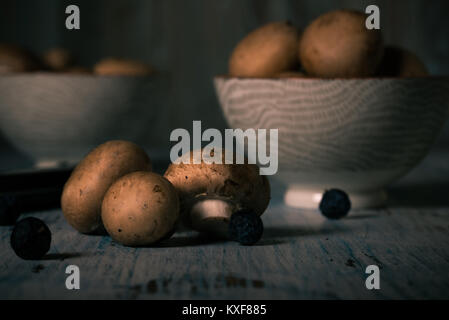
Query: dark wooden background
x=191 y=40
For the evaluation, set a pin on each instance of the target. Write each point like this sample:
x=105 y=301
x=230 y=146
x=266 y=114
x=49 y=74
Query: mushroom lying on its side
x=211 y=193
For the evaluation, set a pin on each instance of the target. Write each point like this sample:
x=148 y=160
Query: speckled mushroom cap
x=240 y=184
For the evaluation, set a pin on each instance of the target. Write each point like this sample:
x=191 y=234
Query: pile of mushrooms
x=113 y=189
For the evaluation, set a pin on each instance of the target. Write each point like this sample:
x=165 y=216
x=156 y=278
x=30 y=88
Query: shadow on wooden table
x=190 y=239
x=64 y=256
x=272 y=236
x=363 y=216
x=299 y=231
x=419 y=196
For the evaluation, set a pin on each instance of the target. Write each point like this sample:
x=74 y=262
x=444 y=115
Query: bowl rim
x=308 y=78
x=74 y=75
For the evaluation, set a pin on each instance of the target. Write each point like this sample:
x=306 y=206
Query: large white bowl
x=358 y=135
x=58 y=118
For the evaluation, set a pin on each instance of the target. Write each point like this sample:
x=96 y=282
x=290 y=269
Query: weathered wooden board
x=301 y=255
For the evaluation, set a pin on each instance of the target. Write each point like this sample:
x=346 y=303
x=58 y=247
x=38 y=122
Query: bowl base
x=309 y=198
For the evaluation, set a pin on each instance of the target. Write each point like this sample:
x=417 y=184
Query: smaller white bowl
x=358 y=135
x=58 y=118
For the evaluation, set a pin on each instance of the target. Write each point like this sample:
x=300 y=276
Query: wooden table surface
x=301 y=256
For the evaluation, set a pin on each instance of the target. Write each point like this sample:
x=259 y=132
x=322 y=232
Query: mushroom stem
x=212 y=216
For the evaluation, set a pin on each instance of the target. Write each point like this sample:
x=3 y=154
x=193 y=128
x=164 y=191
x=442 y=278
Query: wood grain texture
x=300 y=256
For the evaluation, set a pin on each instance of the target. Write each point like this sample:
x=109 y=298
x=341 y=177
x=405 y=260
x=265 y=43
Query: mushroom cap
x=399 y=62
x=140 y=208
x=84 y=190
x=240 y=184
x=266 y=51
x=16 y=59
x=122 y=67
x=338 y=44
x=58 y=59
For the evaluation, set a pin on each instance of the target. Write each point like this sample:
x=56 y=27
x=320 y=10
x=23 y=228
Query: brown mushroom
x=337 y=44
x=266 y=51
x=84 y=191
x=211 y=193
x=16 y=59
x=399 y=62
x=58 y=59
x=140 y=209
x=122 y=67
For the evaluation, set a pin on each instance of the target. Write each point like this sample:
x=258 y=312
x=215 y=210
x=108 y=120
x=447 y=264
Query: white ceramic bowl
x=58 y=118
x=358 y=135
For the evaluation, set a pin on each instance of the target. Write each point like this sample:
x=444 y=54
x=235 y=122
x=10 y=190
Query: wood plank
x=301 y=255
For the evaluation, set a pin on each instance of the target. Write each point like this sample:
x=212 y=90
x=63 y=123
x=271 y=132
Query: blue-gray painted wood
x=300 y=256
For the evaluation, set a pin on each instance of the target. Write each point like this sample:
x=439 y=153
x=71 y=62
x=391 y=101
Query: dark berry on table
x=245 y=227
x=335 y=204
x=31 y=239
x=9 y=210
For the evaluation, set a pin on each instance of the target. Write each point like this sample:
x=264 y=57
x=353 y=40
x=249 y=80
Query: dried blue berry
x=9 y=210
x=335 y=204
x=31 y=239
x=245 y=227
